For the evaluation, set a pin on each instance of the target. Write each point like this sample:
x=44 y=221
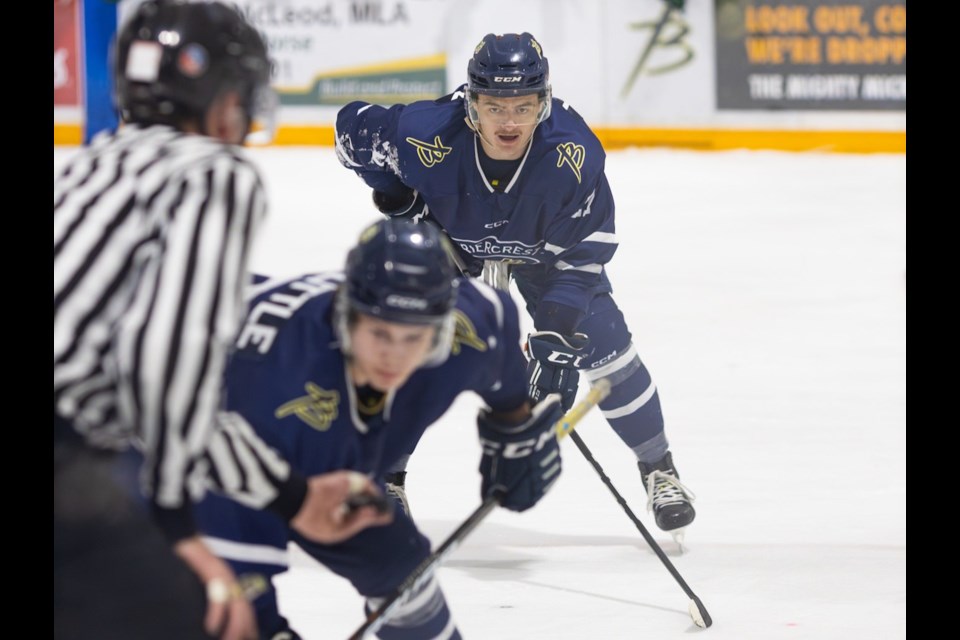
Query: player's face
x=385 y=354
x=506 y=124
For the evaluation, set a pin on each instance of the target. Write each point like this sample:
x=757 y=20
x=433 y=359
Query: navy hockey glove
x=520 y=462
x=553 y=364
x=410 y=206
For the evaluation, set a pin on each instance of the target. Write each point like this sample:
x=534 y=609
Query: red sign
x=66 y=53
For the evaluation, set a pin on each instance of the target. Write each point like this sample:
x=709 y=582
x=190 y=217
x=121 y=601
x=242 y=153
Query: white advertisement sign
x=330 y=53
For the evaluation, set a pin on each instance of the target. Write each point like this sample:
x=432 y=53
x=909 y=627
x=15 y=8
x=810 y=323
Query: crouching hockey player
x=516 y=178
x=346 y=371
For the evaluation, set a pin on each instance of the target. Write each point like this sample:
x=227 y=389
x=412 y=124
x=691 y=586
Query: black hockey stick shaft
x=426 y=569
x=577 y=440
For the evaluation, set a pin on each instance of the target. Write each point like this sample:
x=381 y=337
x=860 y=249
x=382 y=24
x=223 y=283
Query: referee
x=152 y=227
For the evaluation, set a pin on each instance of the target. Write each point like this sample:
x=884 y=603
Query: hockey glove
x=520 y=462
x=410 y=206
x=553 y=364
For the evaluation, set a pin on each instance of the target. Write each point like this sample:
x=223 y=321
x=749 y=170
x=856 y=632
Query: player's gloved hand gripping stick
x=520 y=462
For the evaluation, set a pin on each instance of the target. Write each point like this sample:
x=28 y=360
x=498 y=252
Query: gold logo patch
x=319 y=408
x=571 y=155
x=465 y=334
x=430 y=154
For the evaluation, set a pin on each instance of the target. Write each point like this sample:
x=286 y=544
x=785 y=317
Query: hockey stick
x=426 y=569
x=697 y=611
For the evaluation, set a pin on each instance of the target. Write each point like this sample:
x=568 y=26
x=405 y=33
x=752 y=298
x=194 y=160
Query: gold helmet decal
x=369 y=233
x=536 y=47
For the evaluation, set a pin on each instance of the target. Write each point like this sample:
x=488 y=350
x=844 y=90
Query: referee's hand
x=229 y=615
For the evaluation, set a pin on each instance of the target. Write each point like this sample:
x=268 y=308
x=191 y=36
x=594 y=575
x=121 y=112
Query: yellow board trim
x=69 y=134
x=617 y=138
x=304 y=135
x=418 y=63
x=725 y=139
x=696 y=139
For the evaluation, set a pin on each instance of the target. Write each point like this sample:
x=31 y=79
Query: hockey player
x=516 y=179
x=346 y=371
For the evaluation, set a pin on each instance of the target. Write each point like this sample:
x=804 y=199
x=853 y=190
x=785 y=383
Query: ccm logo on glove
x=514 y=450
x=561 y=357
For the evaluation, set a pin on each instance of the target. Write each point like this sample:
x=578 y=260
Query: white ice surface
x=766 y=293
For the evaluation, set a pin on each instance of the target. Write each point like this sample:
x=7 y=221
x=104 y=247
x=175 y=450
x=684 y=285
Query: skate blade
x=678 y=536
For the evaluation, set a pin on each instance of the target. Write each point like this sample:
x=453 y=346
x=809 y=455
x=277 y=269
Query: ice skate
x=670 y=501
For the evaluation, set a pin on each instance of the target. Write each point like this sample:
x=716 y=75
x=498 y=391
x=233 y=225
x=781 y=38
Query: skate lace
x=664 y=489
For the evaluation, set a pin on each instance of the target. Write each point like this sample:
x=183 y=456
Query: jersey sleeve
x=243 y=467
x=580 y=235
x=582 y=239
x=366 y=142
x=174 y=342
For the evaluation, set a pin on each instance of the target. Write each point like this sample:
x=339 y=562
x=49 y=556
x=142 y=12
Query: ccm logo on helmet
x=507 y=78
x=404 y=302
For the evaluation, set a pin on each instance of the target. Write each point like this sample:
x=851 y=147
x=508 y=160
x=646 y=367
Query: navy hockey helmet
x=508 y=65
x=401 y=272
x=174 y=58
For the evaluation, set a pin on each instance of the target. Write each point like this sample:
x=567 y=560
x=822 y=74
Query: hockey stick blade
x=699 y=613
x=378 y=617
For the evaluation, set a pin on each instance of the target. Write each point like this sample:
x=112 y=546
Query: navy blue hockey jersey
x=289 y=379
x=554 y=221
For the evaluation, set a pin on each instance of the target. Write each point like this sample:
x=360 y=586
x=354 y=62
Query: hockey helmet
x=508 y=65
x=174 y=58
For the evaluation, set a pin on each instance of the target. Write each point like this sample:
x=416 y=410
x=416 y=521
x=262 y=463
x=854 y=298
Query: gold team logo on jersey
x=319 y=408
x=465 y=333
x=430 y=154
x=571 y=155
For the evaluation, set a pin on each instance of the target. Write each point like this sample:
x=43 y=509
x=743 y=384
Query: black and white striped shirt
x=151 y=234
